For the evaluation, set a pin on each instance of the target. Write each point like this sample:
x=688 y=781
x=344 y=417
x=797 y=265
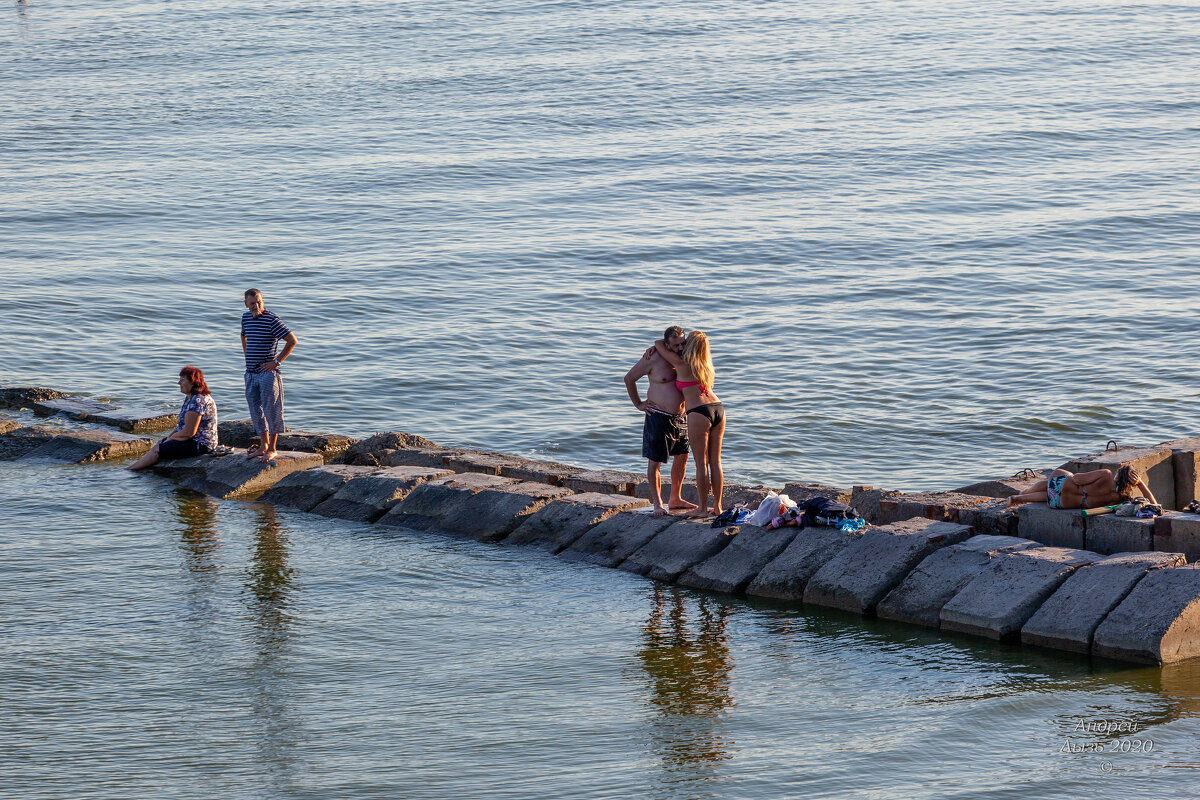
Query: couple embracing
x=681 y=411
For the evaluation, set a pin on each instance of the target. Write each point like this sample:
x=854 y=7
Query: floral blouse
x=206 y=407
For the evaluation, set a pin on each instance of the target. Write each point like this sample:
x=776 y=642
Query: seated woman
x=1085 y=489
x=196 y=433
x=694 y=376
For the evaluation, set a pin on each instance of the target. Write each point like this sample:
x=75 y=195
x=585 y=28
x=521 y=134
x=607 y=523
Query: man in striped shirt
x=261 y=333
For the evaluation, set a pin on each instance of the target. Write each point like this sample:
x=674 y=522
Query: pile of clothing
x=779 y=510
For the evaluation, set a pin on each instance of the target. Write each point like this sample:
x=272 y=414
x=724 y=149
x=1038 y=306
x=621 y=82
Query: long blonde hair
x=695 y=353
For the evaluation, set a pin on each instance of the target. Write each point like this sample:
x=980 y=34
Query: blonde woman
x=694 y=376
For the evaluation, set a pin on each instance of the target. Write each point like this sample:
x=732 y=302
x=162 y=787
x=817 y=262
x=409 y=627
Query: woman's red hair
x=194 y=375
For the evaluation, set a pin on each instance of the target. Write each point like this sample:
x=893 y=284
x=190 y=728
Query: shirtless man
x=664 y=433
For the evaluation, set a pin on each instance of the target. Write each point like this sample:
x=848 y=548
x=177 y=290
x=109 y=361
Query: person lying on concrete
x=261 y=333
x=664 y=431
x=196 y=433
x=705 y=416
x=1093 y=489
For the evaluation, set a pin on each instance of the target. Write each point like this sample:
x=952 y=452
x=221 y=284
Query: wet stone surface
x=306 y=489
x=369 y=497
x=555 y=526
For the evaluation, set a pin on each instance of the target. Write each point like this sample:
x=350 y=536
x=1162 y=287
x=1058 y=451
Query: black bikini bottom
x=714 y=411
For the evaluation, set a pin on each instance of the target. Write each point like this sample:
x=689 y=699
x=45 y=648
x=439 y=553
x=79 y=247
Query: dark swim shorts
x=664 y=436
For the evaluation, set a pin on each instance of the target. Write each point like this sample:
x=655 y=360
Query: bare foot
x=268 y=456
x=681 y=504
x=716 y=511
x=698 y=512
x=658 y=511
x=252 y=452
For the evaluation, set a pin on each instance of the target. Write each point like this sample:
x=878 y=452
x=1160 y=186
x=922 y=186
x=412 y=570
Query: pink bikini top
x=681 y=385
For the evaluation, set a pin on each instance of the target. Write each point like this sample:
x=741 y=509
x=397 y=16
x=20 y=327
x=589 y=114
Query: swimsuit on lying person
x=1054 y=491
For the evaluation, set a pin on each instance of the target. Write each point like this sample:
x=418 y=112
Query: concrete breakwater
x=1110 y=586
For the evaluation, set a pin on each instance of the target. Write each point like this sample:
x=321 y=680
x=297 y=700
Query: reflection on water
x=268 y=575
x=689 y=665
x=199 y=535
x=268 y=585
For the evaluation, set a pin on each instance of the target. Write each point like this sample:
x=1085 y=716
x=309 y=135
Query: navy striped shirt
x=262 y=335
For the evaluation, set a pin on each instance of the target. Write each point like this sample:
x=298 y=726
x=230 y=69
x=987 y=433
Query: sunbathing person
x=196 y=433
x=1085 y=489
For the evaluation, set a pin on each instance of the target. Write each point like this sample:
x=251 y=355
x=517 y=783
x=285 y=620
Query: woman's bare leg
x=150 y=457
x=698 y=429
x=714 y=465
x=1034 y=494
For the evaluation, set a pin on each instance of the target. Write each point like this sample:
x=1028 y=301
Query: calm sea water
x=930 y=243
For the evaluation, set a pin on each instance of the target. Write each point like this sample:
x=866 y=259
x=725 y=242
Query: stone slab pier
x=960 y=561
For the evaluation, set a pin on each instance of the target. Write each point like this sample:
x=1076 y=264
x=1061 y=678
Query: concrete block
x=678 y=548
x=1185 y=464
x=787 y=575
x=603 y=481
x=71 y=446
x=478 y=461
x=240 y=433
x=1158 y=622
x=1004 y=488
x=369 y=451
x=26 y=396
x=858 y=577
x=492 y=514
x=309 y=488
x=992 y=518
x=560 y=522
x=883 y=507
x=920 y=596
x=1056 y=527
x=415 y=456
x=429 y=503
x=235 y=475
x=801 y=491
x=616 y=538
x=998 y=602
x=1068 y=619
x=1156 y=463
x=739 y=562
x=522 y=469
x=368 y=497
x=1108 y=534
x=132 y=419
x=1178 y=533
x=525 y=469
